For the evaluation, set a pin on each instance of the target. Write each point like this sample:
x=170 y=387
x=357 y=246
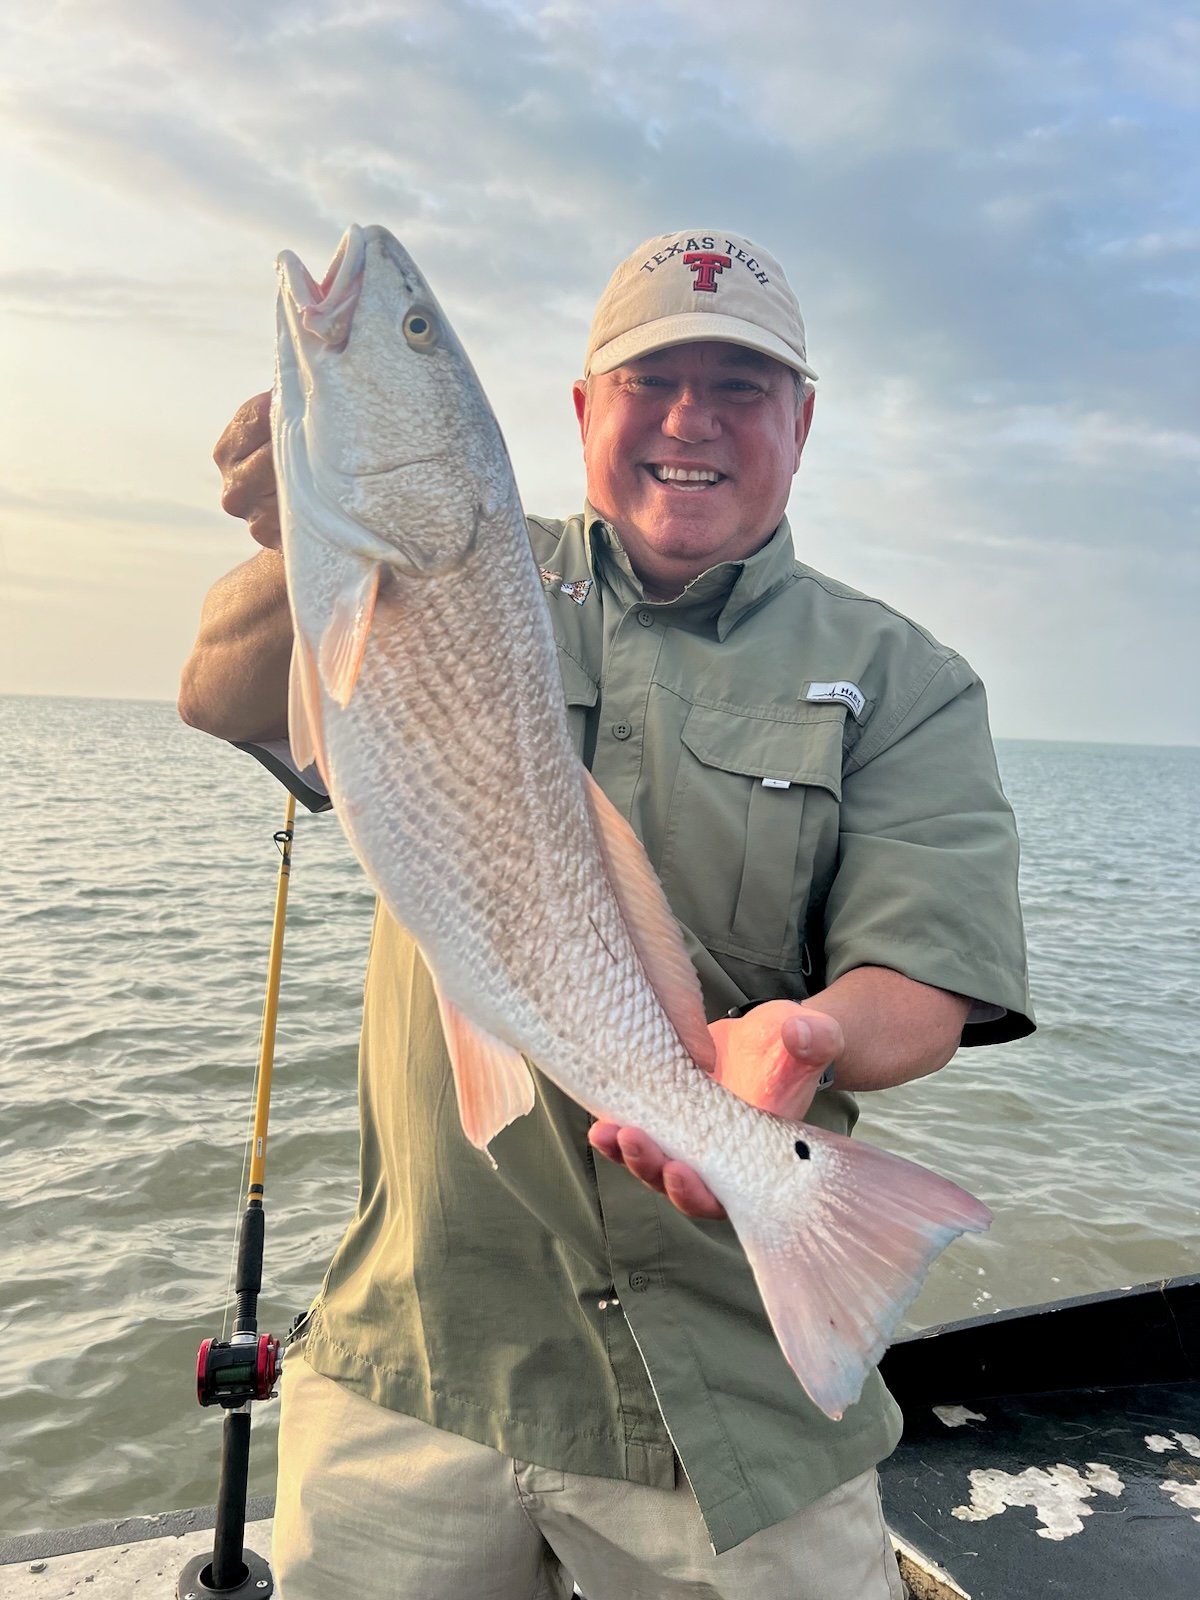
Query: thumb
x=812 y=1037
x=755 y=1062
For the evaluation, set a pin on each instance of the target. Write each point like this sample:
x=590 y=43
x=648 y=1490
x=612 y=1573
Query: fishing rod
x=233 y=1373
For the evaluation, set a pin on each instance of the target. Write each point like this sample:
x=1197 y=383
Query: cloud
x=1155 y=246
x=1097 y=439
x=1163 y=57
x=987 y=215
x=938 y=185
x=108 y=297
x=118 y=511
x=152 y=151
x=24 y=586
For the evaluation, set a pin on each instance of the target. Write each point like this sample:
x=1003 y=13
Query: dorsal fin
x=652 y=927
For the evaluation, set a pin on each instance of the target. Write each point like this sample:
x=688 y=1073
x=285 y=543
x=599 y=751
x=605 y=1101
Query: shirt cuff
x=984 y=1011
x=305 y=783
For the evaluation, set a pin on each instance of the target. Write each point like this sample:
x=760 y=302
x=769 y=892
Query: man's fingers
x=251 y=492
x=247 y=482
x=642 y=1156
x=247 y=429
x=602 y=1136
x=264 y=526
x=632 y=1148
x=688 y=1193
x=247 y=462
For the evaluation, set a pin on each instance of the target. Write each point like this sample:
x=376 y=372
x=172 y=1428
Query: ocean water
x=138 y=871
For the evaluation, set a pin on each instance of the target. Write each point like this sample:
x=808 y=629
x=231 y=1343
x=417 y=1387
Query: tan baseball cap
x=703 y=284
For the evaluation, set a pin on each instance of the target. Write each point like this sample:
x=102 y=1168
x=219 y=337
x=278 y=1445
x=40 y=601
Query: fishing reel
x=231 y=1372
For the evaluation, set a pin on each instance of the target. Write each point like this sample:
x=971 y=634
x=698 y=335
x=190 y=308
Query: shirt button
x=621 y=730
x=646 y=618
x=638 y=1280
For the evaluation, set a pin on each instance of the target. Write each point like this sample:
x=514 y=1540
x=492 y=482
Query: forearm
x=895 y=1029
x=234 y=683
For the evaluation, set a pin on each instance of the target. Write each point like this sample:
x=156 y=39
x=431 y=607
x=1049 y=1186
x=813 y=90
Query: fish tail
x=841 y=1250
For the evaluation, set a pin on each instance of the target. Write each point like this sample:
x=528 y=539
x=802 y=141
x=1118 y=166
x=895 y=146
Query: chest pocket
x=744 y=860
x=581 y=693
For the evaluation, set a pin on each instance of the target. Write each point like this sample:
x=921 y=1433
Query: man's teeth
x=685 y=475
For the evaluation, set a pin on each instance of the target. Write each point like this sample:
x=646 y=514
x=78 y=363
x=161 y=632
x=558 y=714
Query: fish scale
x=426 y=685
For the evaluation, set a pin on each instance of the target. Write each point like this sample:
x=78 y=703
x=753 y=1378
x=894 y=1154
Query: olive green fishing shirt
x=813 y=778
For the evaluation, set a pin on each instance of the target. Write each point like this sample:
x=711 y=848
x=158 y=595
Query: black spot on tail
x=802 y=1150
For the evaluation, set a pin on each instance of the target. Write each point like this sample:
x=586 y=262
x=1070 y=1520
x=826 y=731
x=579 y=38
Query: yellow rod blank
x=266 y=1055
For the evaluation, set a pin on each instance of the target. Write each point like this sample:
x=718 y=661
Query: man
x=514 y=1379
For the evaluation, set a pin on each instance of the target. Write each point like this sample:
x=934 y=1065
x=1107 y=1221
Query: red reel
x=229 y=1373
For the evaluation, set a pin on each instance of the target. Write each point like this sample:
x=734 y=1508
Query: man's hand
x=234 y=683
x=244 y=455
x=880 y=1027
x=772 y=1057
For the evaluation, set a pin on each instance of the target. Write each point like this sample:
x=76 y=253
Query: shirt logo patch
x=573 y=591
x=848 y=694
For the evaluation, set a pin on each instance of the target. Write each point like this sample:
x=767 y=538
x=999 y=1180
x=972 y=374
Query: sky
x=989 y=213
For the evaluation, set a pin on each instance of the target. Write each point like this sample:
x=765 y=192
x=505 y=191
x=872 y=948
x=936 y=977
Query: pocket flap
x=578 y=688
x=806 y=748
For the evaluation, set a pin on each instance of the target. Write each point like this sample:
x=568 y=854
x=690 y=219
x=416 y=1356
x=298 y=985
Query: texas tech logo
x=703 y=257
x=706 y=264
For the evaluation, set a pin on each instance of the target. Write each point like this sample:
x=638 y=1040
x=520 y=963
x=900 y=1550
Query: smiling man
x=561 y=1371
x=691 y=451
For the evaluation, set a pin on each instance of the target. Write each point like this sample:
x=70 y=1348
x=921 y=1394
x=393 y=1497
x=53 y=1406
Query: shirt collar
x=721 y=595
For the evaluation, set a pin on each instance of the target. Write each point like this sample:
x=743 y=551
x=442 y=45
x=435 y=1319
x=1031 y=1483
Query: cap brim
x=688 y=327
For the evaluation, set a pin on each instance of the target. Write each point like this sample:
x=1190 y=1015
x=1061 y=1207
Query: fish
x=425 y=686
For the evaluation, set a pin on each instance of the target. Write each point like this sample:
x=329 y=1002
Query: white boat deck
x=147 y=1562
x=137 y=1560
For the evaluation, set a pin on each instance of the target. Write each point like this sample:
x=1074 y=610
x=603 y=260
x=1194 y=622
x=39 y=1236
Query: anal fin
x=491 y=1079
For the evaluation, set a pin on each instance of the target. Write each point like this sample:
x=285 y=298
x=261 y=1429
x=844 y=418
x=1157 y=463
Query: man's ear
x=803 y=423
x=580 y=396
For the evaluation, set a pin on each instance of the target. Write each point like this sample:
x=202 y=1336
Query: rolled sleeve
x=926 y=882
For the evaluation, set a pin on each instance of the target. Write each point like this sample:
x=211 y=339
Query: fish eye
x=421 y=329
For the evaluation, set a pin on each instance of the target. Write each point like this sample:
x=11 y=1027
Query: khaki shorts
x=380 y=1506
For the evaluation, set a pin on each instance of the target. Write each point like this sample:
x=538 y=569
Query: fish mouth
x=325 y=310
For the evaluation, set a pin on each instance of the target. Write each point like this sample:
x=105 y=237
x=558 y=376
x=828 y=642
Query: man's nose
x=692 y=418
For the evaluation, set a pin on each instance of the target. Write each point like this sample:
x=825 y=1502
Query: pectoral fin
x=304 y=710
x=345 y=638
x=491 y=1079
x=652 y=926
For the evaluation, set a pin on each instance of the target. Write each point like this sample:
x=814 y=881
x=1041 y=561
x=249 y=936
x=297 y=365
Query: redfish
x=425 y=685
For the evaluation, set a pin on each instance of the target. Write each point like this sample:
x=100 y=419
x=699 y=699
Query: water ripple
x=139 y=887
